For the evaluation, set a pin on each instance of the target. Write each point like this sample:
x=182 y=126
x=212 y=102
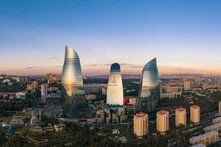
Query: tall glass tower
x=149 y=91
x=72 y=79
x=115 y=86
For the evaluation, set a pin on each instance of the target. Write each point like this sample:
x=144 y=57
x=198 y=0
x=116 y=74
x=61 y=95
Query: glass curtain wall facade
x=115 y=86
x=72 y=79
x=149 y=91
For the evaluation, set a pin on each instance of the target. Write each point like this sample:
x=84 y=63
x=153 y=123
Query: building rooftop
x=141 y=114
x=162 y=112
x=204 y=135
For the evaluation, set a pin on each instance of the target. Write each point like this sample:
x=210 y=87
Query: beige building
x=33 y=86
x=206 y=138
x=180 y=117
x=132 y=101
x=195 y=114
x=163 y=121
x=207 y=86
x=187 y=85
x=141 y=124
x=90 y=97
x=220 y=107
x=170 y=91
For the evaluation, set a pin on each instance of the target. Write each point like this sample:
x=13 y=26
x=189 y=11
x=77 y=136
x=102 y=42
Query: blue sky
x=182 y=34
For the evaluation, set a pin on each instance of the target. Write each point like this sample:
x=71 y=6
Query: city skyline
x=184 y=36
x=110 y=73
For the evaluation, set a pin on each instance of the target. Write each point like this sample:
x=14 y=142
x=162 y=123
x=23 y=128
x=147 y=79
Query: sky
x=184 y=35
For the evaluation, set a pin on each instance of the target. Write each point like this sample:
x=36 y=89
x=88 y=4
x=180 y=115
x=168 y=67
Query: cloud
x=58 y=66
x=126 y=64
x=31 y=67
x=107 y=64
x=53 y=58
x=91 y=65
x=136 y=66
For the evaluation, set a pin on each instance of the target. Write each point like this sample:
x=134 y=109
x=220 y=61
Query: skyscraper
x=187 y=85
x=44 y=91
x=115 y=86
x=180 y=117
x=72 y=79
x=195 y=114
x=163 y=121
x=219 y=107
x=141 y=124
x=149 y=92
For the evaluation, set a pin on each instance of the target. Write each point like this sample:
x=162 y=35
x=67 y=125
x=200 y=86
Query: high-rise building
x=187 y=85
x=149 y=92
x=163 y=121
x=44 y=91
x=115 y=86
x=180 y=117
x=195 y=114
x=219 y=107
x=72 y=79
x=141 y=124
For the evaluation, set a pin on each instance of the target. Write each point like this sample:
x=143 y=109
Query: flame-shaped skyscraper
x=149 y=91
x=115 y=86
x=72 y=79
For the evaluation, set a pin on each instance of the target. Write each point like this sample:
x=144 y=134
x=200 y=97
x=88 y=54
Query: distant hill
x=124 y=76
x=164 y=76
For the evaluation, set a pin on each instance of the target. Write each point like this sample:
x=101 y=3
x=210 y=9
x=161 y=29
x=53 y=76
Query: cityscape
x=64 y=84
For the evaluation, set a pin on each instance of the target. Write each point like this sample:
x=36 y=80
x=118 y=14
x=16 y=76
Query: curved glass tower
x=72 y=79
x=115 y=86
x=149 y=87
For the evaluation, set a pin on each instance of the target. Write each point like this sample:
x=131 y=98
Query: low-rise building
x=170 y=91
x=95 y=88
x=90 y=97
x=214 y=127
x=115 y=132
x=36 y=129
x=48 y=128
x=207 y=138
x=216 y=120
x=206 y=86
x=33 y=86
x=123 y=139
x=199 y=145
x=20 y=95
x=18 y=120
x=59 y=127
